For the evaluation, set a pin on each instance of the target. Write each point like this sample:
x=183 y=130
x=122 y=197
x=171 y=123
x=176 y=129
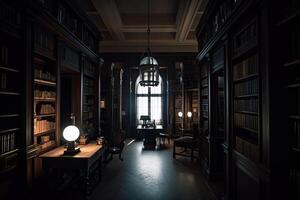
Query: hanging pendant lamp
x=149 y=69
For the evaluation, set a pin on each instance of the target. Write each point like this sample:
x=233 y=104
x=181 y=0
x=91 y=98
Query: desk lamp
x=71 y=133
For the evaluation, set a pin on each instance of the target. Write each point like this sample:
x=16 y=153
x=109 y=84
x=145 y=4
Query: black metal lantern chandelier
x=149 y=69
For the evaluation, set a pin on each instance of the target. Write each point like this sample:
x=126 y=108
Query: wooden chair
x=116 y=145
x=187 y=142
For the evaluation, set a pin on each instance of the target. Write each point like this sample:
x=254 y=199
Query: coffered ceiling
x=123 y=24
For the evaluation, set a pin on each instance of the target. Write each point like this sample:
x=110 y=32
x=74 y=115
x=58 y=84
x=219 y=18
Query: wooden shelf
x=204 y=77
x=9 y=130
x=245 y=51
x=246 y=96
x=44 y=132
x=247 y=129
x=246 y=112
x=10 y=93
x=9 y=115
x=46 y=149
x=289 y=18
x=9 y=153
x=44 y=53
x=45 y=99
x=44 y=82
x=295 y=117
x=9 y=69
x=292 y=63
x=245 y=78
x=45 y=115
x=294 y=85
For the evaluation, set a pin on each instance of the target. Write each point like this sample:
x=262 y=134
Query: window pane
x=156 y=108
x=141 y=108
x=157 y=89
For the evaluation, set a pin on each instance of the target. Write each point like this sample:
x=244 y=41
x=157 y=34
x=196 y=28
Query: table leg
x=87 y=182
x=100 y=168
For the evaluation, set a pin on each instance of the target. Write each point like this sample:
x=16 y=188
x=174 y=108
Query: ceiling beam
x=110 y=15
x=138 y=46
x=154 y=28
x=186 y=18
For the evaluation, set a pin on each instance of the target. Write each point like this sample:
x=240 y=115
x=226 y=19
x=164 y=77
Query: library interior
x=150 y=99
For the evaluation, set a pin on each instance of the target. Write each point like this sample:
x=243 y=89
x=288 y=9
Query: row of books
x=88 y=82
x=88 y=127
x=47 y=109
x=89 y=67
x=44 y=75
x=3 y=80
x=204 y=91
x=204 y=82
x=45 y=145
x=249 y=105
x=88 y=100
x=290 y=6
x=4 y=55
x=88 y=108
x=223 y=13
x=294 y=46
x=204 y=113
x=244 y=121
x=43 y=39
x=244 y=39
x=89 y=39
x=43 y=125
x=204 y=71
x=294 y=178
x=44 y=94
x=245 y=68
x=7 y=142
x=250 y=87
x=88 y=115
x=9 y=14
x=247 y=148
x=88 y=91
x=297 y=134
x=204 y=107
x=68 y=19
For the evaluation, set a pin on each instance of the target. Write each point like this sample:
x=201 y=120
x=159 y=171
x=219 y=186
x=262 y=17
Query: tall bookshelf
x=204 y=113
x=90 y=100
x=289 y=33
x=11 y=95
x=45 y=129
x=204 y=98
x=246 y=92
x=178 y=100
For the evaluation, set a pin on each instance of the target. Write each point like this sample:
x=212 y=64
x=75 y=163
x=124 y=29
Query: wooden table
x=89 y=154
x=149 y=135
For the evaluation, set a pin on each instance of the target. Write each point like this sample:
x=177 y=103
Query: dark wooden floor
x=147 y=175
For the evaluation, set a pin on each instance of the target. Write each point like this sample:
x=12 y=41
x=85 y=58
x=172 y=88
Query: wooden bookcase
x=11 y=95
x=204 y=112
x=45 y=127
x=246 y=92
x=288 y=33
x=91 y=101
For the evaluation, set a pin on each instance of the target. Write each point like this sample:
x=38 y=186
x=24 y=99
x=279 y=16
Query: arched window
x=149 y=102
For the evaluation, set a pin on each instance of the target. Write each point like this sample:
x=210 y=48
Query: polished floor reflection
x=151 y=175
x=145 y=175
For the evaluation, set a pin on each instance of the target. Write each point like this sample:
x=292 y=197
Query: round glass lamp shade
x=149 y=72
x=71 y=133
x=189 y=114
x=148 y=61
x=180 y=114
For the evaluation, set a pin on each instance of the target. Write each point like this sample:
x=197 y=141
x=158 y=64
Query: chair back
x=195 y=131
